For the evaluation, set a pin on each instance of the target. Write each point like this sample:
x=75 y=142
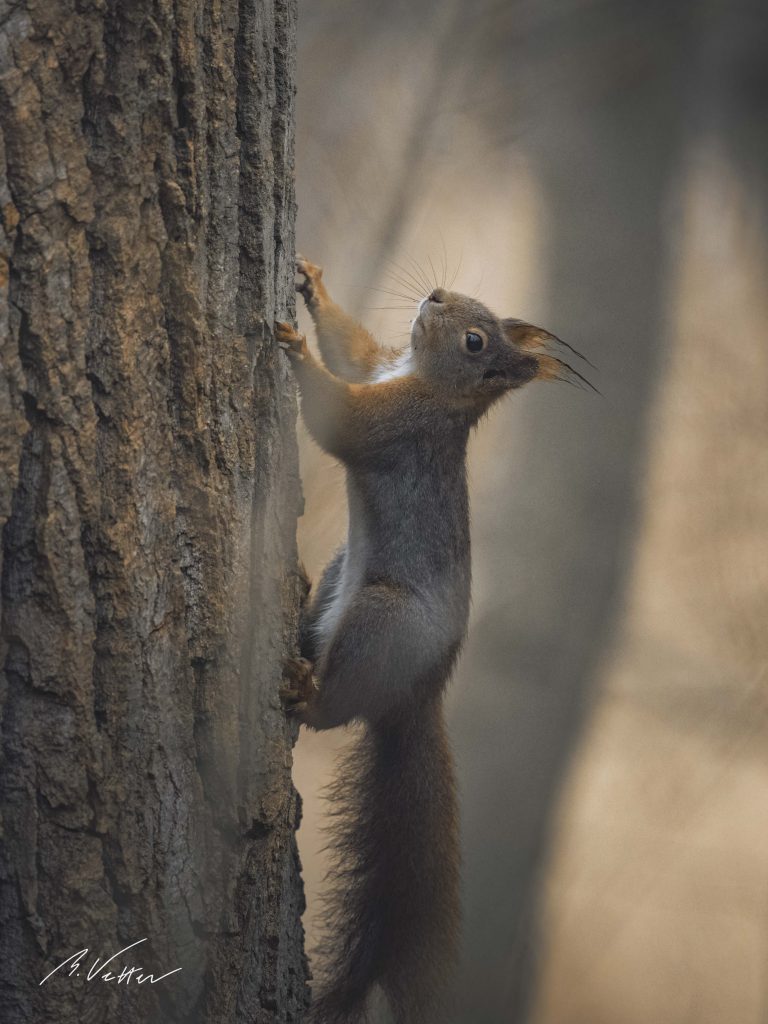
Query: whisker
x=456 y=274
x=445 y=260
x=421 y=275
x=408 y=274
x=432 y=266
x=400 y=282
x=401 y=278
x=479 y=286
x=396 y=295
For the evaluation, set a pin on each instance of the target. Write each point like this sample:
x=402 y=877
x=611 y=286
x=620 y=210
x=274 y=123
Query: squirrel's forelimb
x=348 y=350
x=355 y=423
x=326 y=401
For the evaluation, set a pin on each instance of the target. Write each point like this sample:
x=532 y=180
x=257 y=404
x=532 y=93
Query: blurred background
x=599 y=168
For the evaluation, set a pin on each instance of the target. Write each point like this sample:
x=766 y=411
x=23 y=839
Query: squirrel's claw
x=290 y=341
x=311 y=274
x=311 y=270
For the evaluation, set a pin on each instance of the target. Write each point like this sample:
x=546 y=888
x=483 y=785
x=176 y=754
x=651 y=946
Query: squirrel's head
x=457 y=340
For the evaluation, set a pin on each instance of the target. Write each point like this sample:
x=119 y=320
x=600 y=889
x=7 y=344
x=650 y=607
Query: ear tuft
x=528 y=336
x=552 y=368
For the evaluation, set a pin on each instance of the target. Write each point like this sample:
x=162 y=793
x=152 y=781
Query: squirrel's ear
x=530 y=337
x=525 y=335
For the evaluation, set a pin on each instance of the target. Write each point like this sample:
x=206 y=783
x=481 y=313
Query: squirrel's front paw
x=310 y=286
x=290 y=341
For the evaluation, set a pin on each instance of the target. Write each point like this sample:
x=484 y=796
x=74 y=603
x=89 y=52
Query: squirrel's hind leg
x=300 y=686
x=299 y=689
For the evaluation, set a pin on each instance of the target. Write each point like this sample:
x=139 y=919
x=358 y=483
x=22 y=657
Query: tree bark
x=148 y=501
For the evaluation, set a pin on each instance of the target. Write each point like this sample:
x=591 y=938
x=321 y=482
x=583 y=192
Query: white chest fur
x=400 y=366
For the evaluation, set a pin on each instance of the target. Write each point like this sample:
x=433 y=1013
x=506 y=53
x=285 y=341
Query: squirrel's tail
x=393 y=908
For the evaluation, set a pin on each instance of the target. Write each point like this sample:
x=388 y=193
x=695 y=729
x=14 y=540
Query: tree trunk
x=148 y=501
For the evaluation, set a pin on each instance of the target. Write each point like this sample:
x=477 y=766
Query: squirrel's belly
x=337 y=602
x=441 y=602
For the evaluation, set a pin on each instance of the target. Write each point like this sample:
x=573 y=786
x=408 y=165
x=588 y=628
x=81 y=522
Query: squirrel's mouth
x=491 y=374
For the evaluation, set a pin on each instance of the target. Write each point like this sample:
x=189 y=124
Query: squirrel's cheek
x=513 y=373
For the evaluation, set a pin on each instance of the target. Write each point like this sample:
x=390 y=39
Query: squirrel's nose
x=438 y=295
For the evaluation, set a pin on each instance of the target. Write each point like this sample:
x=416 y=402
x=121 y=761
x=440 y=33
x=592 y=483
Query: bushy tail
x=393 y=907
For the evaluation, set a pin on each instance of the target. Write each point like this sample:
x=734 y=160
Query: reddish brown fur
x=348 y=350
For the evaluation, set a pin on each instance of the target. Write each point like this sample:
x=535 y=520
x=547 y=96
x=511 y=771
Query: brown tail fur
x=393 y=907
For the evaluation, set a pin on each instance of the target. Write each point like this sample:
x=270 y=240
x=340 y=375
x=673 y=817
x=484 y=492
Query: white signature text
x=98 y=969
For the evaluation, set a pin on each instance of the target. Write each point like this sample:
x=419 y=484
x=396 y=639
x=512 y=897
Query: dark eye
x=474 y=342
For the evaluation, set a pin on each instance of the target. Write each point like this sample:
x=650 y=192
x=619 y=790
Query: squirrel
x=380 y=637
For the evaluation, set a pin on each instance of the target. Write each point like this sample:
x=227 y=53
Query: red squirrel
x=383 y=631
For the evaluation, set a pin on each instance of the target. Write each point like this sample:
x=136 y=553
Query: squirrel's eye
x=474 y=342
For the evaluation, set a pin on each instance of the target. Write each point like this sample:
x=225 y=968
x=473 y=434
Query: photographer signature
x=98 y=971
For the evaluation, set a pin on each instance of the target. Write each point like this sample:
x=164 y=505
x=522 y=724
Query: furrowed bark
x=148 y=497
